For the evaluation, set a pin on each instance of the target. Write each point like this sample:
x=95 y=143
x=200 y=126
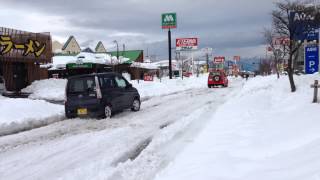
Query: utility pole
x=207 y=58
x=123 y=49
x=181 y=67
x=208 y=51
x=116 y=42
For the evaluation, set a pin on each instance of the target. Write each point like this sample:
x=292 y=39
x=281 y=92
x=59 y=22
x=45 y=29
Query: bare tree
x=286 y=27
x=265 y=67
x=278 y=47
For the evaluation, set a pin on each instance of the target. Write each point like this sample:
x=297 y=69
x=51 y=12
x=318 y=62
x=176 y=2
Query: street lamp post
x=116 y=42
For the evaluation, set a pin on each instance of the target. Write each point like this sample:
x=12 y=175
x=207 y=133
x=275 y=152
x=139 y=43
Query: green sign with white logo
x=169 y=20
x=79 y=66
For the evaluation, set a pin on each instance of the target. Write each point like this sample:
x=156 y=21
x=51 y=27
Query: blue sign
x=311 y=59
x=304 y=26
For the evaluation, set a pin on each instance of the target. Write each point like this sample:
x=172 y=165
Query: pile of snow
x=54 y=89
x=263 y=132
x=48 y=89
x=165 y=86
x=23 y=114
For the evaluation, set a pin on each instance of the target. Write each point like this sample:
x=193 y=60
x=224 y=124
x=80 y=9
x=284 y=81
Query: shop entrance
x=19 y=71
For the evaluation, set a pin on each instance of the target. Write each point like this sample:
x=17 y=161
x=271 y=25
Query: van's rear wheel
x=107 y=111
x=136 y=105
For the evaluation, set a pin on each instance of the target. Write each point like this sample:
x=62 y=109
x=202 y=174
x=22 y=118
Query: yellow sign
x=29 y=47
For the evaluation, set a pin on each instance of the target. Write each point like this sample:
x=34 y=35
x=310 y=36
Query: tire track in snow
x=72 y=127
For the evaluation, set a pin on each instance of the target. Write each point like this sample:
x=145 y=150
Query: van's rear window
x=81 y=85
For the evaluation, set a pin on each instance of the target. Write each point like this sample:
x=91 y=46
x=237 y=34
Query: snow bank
x=166 y=86
x=48 y=89
x=262 y=132
x=23 y=114
x=54 y=89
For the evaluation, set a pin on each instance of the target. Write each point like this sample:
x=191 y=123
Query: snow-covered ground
x=263 y=132
x=165 y=86
x=253 y=129
x=23 y=114
x=54 y=89
x=128 y=146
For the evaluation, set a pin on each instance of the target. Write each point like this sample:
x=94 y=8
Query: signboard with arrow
x=311 y=59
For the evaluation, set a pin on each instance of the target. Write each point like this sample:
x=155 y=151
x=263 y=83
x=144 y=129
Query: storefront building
x=21 y=54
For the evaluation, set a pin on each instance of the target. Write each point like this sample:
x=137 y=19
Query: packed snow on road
x=253 y=129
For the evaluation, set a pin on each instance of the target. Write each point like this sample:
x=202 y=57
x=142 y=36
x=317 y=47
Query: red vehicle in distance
x=217 y=78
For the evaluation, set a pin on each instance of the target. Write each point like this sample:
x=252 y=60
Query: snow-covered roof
x=85 y=57
x=59 y=62
x=165 y=63
x=144 y=65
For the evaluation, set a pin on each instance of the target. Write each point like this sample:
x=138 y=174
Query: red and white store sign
x=184 y=44
x=219 y=59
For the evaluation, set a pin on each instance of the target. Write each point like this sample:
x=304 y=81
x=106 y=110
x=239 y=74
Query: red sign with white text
x=148 y=78
x=218 y=59
x=186 y=44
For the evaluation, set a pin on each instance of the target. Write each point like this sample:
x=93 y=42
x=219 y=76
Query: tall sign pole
x=207 y=50
x=169 y=48
x=169 y=21
x=319 y=47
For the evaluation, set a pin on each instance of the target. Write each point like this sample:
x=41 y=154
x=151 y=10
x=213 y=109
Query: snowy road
x=128 y=146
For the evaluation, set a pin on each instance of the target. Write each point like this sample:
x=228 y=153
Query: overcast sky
x=230 y=27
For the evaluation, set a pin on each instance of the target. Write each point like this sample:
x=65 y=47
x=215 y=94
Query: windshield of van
x=81 y=85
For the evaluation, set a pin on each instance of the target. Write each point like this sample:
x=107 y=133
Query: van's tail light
x=98 y=89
